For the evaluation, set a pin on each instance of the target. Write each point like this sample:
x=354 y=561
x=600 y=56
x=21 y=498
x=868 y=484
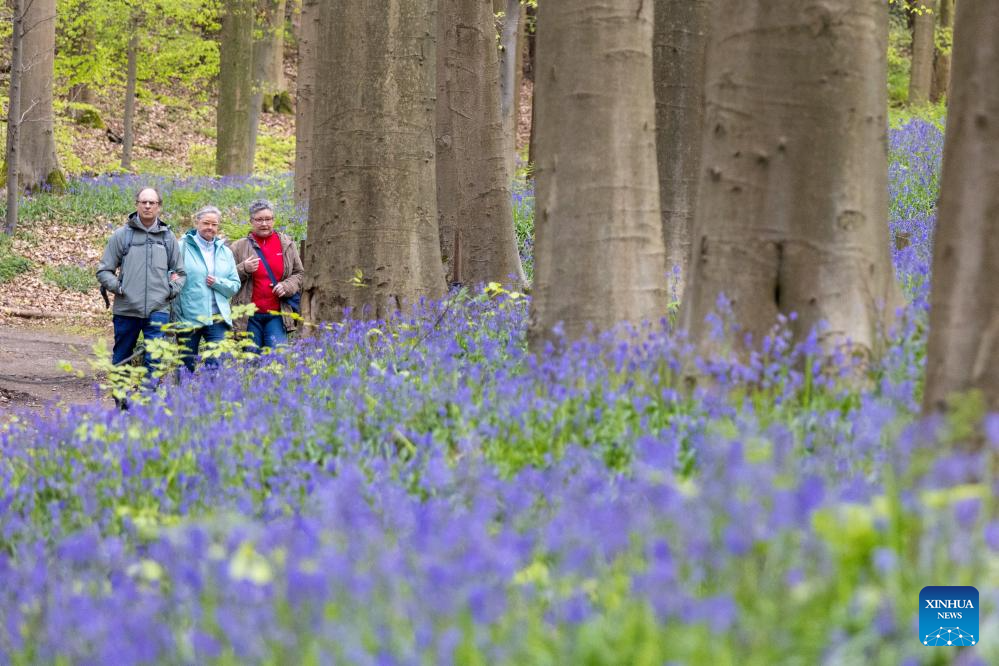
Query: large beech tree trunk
x=373 y=242
x=305 y=98
x=941 y=56
x=792 y=204
x=921 y=78
x=599 y=248
x=963 y=347
x=37 y=164
x=475 y=213
x=678 y=52
x=235 y=122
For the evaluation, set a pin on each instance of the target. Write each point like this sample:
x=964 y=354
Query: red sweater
x=263 y=295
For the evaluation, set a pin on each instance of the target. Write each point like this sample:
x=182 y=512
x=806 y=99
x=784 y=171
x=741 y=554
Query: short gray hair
x=259 y=205
x=207 y=210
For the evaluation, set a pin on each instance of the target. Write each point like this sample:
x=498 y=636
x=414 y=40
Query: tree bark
x=37 y=163
x=236 y=130
x=12 y=152
x=963 y=347
x=792 y=204
x=921 y=78
x=942 y=54
x=473 y=185
x=268 y=57
x=128 y=134
x=304 y=103
x=509 y=79
x=599 y=249
x=373 y=243
x=678 y=52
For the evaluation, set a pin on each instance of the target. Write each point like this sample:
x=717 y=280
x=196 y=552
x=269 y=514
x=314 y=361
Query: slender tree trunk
x=941 y=55
x=473 y=185
x=304 y=104
x=268 y=58
x=236 y=129
x=12 y=153
x=921 y=78
x=373 y=242
x=792 y=203
x=530 y=66
x=678 y=52
x=963 y=347
x=130 y=83
x=599 y=248
x=37 y=163
x=82 y=44
x=509 y=81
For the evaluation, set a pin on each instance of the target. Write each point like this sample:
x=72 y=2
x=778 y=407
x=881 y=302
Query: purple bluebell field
x=424 y=491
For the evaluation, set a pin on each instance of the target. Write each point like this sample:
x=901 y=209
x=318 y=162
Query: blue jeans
x=191 y=342
x=126 y=334
x=267 y=330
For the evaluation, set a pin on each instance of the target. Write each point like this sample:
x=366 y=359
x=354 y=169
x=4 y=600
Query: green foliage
x=899 y=63
x=11 y=264
x=933 y=112
x=86 y=115
x=71 y=277
x=274 y=155
x=125 y=381
x=175 y=43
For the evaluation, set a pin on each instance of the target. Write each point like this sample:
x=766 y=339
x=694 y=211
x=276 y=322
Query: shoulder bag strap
x=267 y=267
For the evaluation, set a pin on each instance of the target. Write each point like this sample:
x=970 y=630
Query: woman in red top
x=270 y=325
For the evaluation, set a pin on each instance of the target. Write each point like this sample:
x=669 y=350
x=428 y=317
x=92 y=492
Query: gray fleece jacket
x=143 y=284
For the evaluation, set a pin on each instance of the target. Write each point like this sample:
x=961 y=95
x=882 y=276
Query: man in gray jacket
x=144 y=269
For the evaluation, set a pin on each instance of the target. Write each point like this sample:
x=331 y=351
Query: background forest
x=523 y=441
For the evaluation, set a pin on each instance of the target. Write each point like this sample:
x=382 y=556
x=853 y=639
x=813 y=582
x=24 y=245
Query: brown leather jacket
x=292 y=277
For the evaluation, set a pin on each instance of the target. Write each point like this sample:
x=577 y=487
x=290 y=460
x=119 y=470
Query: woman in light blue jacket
x=202 y=307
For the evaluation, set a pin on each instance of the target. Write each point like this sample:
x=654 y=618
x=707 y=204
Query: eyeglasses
x=148 y=203
x=261 y=220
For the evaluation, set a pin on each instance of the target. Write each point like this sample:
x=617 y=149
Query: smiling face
x=147 y=203
x=208 y=226
x=263 y=223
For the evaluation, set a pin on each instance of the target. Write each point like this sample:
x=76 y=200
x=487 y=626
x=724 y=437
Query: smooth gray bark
x=941 y=56
x=792 y=204
x=678 y=51
x=475 y=212
x=373 y=242
x=236 y=129
x=509 y=79
x=599 y=256
x=963 y=347
x=128 y=134
x=12 y=152
x=37 y=163
x=305 y=98
x=921 y=78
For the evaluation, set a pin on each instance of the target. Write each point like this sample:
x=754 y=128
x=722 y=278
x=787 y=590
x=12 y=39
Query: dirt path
x=30 y=375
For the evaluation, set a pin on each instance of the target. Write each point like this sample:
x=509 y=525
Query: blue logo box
x=948 y=616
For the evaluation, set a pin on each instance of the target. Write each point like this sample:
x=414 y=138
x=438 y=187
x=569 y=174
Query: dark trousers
x=191 y=342
x=267 y=330
x=126 y=334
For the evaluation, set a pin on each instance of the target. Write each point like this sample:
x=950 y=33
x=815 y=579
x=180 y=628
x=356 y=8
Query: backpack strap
x=171 y=248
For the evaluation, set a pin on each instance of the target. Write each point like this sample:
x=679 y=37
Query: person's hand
x=252 y=264
x=279 y=290
x=174 y=277
x=210 y=280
